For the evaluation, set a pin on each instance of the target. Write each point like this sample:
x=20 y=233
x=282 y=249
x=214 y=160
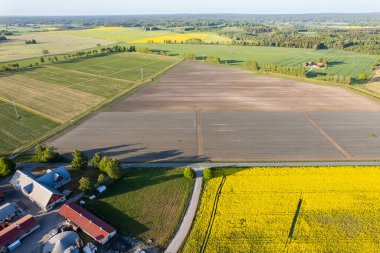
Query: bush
x=7 y=166
x=208 y=173
x=101 y=178
x=80 y=160
x=252 y=65
x=213 y=59
x=96 y=159
x=188 y=56
x=45 y=154
x=189 y=173
x=85 y=184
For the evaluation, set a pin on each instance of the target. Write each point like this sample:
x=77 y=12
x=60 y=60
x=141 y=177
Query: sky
x=127 y=7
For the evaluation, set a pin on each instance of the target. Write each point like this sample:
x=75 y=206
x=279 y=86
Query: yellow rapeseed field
x=174 y=38
x=256 y=211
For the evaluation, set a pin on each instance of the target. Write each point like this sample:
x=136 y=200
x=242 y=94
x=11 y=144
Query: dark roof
x=17 y=229
x=89 y=223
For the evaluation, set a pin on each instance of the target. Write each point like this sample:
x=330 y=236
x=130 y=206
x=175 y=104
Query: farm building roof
x=6 y=210
x=62 y=242
x=89 y=223
x=43 y=195
x=17 y=229
x=52 y=177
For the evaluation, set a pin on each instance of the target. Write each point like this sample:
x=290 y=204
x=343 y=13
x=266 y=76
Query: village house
x=8 y=212
x=42 y=190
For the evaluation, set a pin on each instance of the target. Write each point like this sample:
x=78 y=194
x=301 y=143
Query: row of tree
x=284 y=70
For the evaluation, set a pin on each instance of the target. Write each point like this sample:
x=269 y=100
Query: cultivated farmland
x=148 y=203
x=340 y=62
x=57 y=43
x=15 y=132
x=64 y=91
x=184 y=37
x=304 y=209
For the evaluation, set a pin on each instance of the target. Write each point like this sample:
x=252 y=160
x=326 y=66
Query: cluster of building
x=44 y=191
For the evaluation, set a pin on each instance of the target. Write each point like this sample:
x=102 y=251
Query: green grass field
x=16 y=132
x=340 y=62
x=147 y=203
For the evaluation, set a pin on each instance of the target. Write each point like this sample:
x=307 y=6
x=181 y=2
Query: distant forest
x=350 y=32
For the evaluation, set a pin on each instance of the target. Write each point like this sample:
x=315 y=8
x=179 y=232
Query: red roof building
x=98 y=229
x=18 y=230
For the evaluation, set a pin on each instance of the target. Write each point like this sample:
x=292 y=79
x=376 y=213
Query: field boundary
x=213 y=213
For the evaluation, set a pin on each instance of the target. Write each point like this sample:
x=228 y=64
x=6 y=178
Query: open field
x=303 y=209
x=204 y=111
x=374 y=83
x=147 y=203
x=182 y=38
x=210 y=87
x=116 y=34
x=340 y=62
x=64 y=91
x=57 y=43
x=16 y=132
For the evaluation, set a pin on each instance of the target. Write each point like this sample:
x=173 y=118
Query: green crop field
x=15 y=132
x=148 y=203
x=64 y=91
x=340 y=62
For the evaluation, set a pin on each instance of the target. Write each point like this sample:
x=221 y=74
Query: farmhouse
x=17 y=231
x=43 y=190
x=98 y=229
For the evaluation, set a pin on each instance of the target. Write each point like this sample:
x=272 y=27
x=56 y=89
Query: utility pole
x=203 y=56
x=142 y=74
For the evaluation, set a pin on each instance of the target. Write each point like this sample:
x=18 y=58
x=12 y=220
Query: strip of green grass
x=147 y=203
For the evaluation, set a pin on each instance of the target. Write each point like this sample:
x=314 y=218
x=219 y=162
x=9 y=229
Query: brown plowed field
x=202 y=111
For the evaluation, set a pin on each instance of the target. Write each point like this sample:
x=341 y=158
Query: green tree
x=96 y=159
x=85 y=184
x=189 y=172
x=362 y=77
x=45 y=52
x=45 y=154
x=101 y=178
x=252 y=65
x=213 y=59
x=7 y=166
x=42 y=59
x=111 y=167
x=208 y=173
x=80 y=160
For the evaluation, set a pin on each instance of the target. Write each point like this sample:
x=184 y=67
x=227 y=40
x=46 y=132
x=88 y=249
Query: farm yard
x=147 y=203
x=299 y=209
x=16 y=132
x=61 y=92
x=340 y=62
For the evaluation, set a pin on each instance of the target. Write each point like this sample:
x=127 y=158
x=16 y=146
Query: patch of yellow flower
x=174 y=38
x=340 y=211
x=106 y=28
